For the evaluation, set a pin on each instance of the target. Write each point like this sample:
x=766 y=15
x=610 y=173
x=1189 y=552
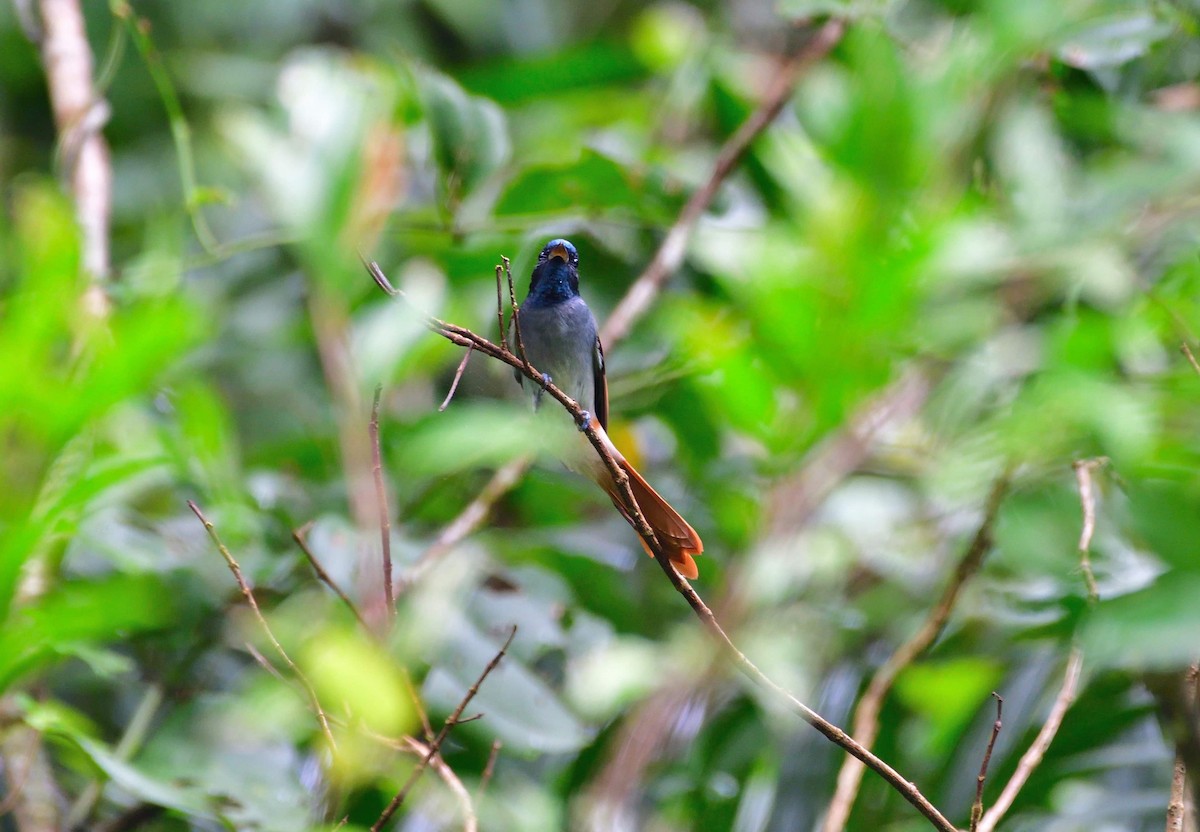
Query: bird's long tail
x=677 y=537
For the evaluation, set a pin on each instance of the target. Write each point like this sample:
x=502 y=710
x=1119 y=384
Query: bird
x=561 y=341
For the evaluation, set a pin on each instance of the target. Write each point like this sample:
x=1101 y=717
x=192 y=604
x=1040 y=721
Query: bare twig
x=470 y=822
x=516 y=316
x=470 y=518
x=500 y=305
x=670 y=253
x=1033 y=756
x=262 y=620
x=1189 y=355
x=298 y=535
x=489 y=768
x=265 y=663
x=1087 y=499
x=79 y=114
x=131 y=741
x=420 y=709
x=977 y=807
x=866 y=713
x=462 y=365
x=436 y=744
x=385 y=523
x=464 y=337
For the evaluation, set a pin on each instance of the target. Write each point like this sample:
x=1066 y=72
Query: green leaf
x=469 y=132
x=81 y=612
x=593 y=184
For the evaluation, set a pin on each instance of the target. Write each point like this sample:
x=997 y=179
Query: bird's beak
x=559 y=252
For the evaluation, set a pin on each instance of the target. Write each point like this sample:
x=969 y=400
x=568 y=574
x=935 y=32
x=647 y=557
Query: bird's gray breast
x=561 y=340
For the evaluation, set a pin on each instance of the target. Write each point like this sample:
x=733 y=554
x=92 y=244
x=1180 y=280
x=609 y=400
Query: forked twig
x=437 y=741
x=977 y=807
x=470 y=821
x=1037 y=750
x=262 y=620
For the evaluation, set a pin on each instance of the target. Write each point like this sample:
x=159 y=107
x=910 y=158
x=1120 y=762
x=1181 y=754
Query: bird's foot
x=537 y=397
x=584 y=420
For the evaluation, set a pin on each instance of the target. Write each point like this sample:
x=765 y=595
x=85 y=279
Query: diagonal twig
x=262 y=620
x=298 y=535
x=866 y=713
x=458 y=374
x=977 y=807
x=436 y=744
x=670 y=253
x=465 y=337
x=1189 y=355
x=486 y=777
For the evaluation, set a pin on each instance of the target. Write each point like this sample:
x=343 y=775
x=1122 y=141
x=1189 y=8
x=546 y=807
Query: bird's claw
x=537 y=397
x=585 y=419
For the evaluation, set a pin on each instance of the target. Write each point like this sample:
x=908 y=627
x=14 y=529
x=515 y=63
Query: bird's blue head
x=556 y=276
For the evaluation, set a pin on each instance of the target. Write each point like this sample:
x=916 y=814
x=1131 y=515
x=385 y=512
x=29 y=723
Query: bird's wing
x=601 y=382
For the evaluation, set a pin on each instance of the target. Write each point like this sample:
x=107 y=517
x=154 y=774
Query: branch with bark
x=466 y=338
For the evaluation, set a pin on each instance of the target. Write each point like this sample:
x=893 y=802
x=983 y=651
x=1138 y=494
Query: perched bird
x=561 y=341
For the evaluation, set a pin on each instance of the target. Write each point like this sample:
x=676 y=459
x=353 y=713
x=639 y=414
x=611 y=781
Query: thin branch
x=385 y=523
x=262 y=620
x=500 y=305
x=458 y=374
x=470 y=821
x=79 y=116
x=471 y=517
x=298 y=535
x=866 y=713
x=265 y=663
x=489 y=768
x=516 y=316
x=1177 y=809
x=464 y=337
x=1190 y=356
x=436 y=744
x=670 y=253
x=977 y=807
x=1087 y=499
x=1033 y=757
x=131 y=741
x=420 y=708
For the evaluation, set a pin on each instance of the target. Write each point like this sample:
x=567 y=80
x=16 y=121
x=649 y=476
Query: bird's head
x=556 y=275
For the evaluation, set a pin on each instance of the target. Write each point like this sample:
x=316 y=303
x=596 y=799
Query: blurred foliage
x=997 y=196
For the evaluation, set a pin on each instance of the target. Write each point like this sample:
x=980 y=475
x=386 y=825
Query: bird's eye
x=542 y=256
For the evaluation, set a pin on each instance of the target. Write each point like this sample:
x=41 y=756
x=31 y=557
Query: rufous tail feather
x=679 y=540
